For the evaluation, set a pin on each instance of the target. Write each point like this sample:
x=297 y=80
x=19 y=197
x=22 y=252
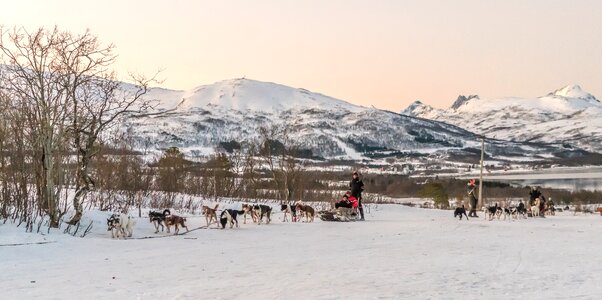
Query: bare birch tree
x=279 y=152
x=32 y=81
x=63 y=85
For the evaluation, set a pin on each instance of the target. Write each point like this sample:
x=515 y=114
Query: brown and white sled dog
x=210 y=214
x=177 y=221
x=259 y=210
x=120 y=225
x=308 y=210
x=248 y=209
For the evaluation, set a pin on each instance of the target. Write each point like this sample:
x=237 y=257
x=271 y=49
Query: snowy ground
x=400 y=252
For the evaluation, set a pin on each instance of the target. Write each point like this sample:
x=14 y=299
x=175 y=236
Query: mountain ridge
x=201 y=119
x=568 y=115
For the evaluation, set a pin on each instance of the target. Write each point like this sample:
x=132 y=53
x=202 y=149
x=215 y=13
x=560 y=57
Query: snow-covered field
x=399 y=253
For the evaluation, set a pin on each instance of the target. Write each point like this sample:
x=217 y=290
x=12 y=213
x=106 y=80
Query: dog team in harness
x=537 y=206
x=349 y=208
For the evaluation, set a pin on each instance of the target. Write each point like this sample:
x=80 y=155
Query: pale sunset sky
x=382 y=53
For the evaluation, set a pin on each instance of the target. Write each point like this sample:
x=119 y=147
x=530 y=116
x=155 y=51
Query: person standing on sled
x=357 y=186
x=473 y=199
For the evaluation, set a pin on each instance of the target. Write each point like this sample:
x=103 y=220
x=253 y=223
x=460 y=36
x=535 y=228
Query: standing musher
x=473 y=199
x=357 y=186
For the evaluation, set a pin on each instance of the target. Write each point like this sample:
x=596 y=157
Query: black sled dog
x=460 y=211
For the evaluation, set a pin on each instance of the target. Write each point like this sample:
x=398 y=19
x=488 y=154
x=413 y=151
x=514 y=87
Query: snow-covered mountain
x=569 y=115
x=254 y=96
x=201 y=119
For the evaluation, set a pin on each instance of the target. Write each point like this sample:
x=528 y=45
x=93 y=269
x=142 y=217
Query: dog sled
x=341 y=214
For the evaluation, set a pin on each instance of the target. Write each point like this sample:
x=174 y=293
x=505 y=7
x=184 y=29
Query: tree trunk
x=82 y=187
x=77 y=206
x=48 y=183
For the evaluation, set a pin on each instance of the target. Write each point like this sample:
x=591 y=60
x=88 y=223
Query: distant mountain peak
x=463 y=100
x=573 y=91
x=416 y=104
x=252 y=95
x=417 y=108
x=567 y=115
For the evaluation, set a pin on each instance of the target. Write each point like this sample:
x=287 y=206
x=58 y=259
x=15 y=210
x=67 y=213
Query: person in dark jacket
x=357 y=186
x=472 y=199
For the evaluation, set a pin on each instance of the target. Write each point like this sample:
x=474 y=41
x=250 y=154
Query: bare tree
x=15 y=163
x=279 y=152
x=98 y=104
x=250 y=170
x=171 y=171
x=237 y=166
x=32 y=81
x=62 y=84
x=4 y=164
x=97 y=99
x=219 y=170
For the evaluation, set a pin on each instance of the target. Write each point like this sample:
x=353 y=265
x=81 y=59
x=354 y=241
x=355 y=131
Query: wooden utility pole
x=480 y=203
